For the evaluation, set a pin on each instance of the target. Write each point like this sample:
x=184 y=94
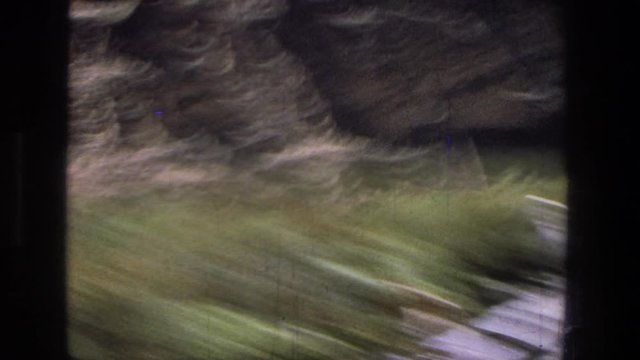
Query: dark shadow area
x=32 y=144
x=602 y=166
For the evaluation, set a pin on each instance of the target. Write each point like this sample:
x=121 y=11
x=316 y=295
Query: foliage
x=230 y=276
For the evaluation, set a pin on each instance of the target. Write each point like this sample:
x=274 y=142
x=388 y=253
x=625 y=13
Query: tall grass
x=231 y=276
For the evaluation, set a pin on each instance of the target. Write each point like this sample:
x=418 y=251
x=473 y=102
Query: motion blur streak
x=271 y=179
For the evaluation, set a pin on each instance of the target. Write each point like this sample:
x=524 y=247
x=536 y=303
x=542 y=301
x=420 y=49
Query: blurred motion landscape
x=316 y=179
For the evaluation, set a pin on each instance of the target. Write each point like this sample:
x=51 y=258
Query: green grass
x=212 y=276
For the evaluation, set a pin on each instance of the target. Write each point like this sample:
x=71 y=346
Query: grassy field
x=203 y=275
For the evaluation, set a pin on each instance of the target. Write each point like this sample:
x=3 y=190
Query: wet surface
x=529 y=326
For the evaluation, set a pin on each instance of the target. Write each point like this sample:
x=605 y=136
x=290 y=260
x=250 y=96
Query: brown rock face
x=306 y=88
x=391 y=67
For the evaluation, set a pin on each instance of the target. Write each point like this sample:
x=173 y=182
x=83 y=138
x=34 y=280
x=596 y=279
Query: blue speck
x=158 y=113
